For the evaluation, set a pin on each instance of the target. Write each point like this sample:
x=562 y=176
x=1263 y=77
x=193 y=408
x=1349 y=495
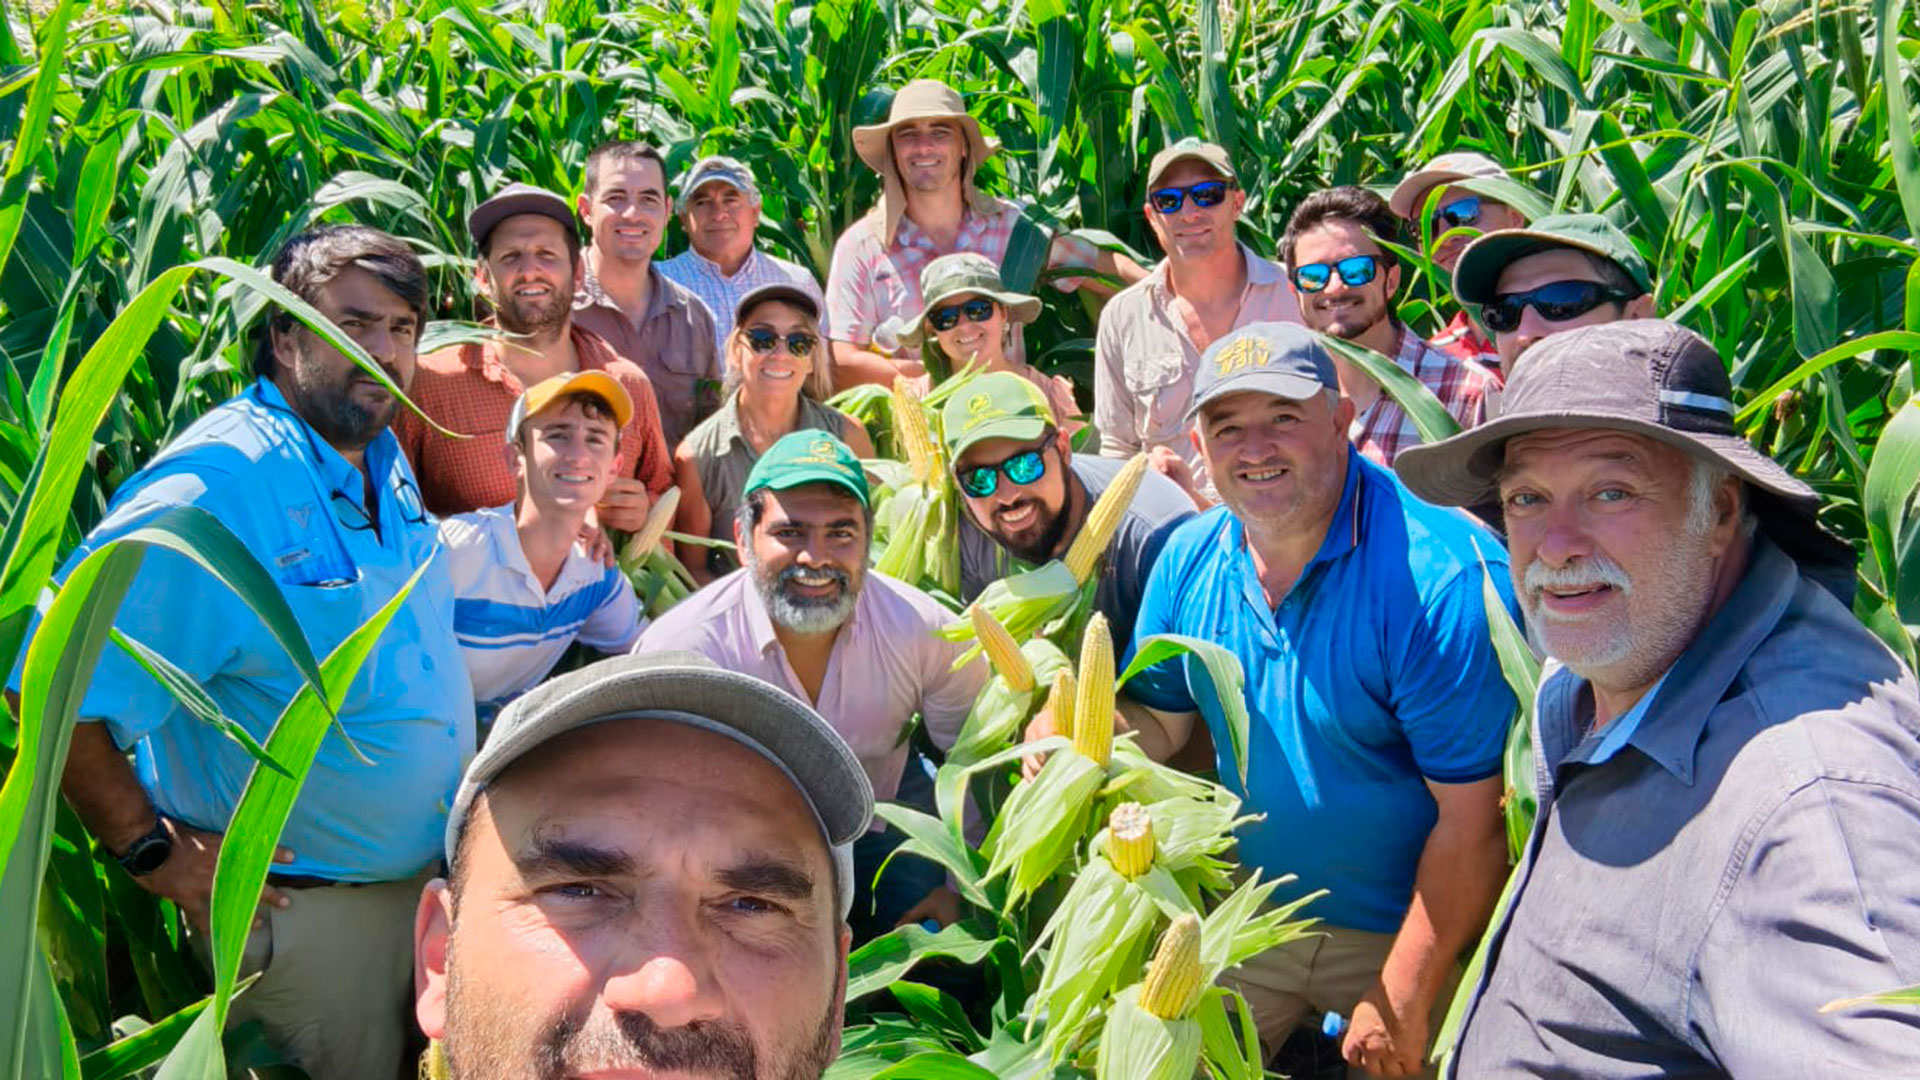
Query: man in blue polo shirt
x=1378 y=706
x=302 y=468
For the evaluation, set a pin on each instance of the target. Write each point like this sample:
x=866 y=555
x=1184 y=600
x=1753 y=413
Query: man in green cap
x=805 y=613
x=1027 y=496
x=1564 y=271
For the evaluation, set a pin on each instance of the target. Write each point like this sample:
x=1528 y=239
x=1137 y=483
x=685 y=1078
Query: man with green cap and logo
x=1027 y=496
x=806 y=613
x=1562 y=272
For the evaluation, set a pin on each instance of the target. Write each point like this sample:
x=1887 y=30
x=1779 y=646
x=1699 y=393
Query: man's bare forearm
x=103 y=789
x=1159 y=735
x=1455 y=888
x=855 y=366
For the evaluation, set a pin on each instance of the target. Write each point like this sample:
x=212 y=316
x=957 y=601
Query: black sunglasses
x=978 y=309
x=763 y=341
x=1457 y=214
x=1206 y=194
x=1354 y=271
x=1556 y=301
x=1023 y=468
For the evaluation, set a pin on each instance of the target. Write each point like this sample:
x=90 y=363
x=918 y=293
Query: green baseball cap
x=1477 y=274
x=997 y=405
x=809 y=457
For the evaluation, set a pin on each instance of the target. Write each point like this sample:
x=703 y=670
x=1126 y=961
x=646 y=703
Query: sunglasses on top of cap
x=978 y=309
x=763 y=341
x=1457 y=214
x=1354 y=271
x=1023 y=468
x=1556 y=301
x=1206 y=195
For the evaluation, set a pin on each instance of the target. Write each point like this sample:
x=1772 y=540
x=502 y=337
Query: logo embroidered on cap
x=1245 y=353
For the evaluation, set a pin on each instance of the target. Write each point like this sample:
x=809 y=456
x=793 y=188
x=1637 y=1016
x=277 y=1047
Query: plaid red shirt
x=1385 y=429
x=466 y=389
x=1463 y=340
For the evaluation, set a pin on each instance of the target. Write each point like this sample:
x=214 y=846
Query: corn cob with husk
x=1151 y=1033
x=1130 y=839
x=1060 y=702
x=659 y=578
x=922 y=545
x=1001 y=711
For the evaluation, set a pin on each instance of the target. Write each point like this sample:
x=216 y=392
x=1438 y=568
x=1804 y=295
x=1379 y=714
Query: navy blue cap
x=1283 y=359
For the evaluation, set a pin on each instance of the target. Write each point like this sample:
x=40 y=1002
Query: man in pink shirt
x=806 y=614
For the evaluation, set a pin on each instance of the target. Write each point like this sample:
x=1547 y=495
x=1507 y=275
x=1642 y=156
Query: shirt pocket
x=1160 y=384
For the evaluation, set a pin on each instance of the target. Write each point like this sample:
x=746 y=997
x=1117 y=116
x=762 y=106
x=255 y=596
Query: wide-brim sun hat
x=960 y=274
x=921 y=99
x=1410 y=193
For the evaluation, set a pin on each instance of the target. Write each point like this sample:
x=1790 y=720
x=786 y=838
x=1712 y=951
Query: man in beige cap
x=1457 y=207
x=1152 y=334
x=928 y=155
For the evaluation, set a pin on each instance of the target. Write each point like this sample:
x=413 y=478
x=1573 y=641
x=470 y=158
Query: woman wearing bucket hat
x=777 y=382
x=969 y=318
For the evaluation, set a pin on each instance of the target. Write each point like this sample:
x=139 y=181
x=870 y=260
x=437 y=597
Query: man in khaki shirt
x=648 y=318
x=1152 y=334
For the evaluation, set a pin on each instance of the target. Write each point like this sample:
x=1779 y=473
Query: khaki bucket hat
x=960 y=274
x=921 y=99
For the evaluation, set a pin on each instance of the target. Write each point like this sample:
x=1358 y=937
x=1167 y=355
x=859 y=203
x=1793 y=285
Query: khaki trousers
x=336 y=988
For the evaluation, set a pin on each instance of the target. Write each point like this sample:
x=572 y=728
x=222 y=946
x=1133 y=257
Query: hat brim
x=872 y=141
x=794 y=480
x=1272 y=383
x=1017 y=428
x=781 y=293
x=1226 y=171
x=1476 y=274
x=1464 y=470
x=1021 y=308
x=488 y=215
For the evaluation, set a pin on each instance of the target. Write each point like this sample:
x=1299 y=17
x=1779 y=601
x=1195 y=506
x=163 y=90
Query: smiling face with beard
x=338 y=398
x=528 y=273
x=1028 y=520
x=807 y=554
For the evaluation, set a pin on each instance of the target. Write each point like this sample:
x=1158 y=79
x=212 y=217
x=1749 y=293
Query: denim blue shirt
x=1687 y=904
x=300 y=508
x=1375 y=675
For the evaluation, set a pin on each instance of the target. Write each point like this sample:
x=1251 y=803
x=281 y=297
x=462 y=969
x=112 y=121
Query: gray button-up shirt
x=1752 y=852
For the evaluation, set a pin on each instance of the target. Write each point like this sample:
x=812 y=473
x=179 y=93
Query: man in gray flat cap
x=1729 y=769
x=576 y=935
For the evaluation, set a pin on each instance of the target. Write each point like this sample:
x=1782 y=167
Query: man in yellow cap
x=525 y=587
x=928 y=155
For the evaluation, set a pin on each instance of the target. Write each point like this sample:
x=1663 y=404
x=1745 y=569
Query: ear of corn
x=1130 y=844
x=911 y=432
x=433 y=1061
x=654 y=529
x=1093 y=700
x=1104 y=519
x=1060 y=702
x=1002 y=651
x=1173 y=983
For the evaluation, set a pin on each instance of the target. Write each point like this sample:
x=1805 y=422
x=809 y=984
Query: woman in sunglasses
x=778 y=381
x=969 y=318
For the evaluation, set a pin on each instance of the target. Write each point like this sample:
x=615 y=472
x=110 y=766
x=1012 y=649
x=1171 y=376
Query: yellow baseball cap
x=547 y=391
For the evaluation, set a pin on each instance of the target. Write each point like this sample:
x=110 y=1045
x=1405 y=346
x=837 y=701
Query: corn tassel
x=1001 y=650
x=1130 y=843
x=911 y=434
x=654 y=529
x=1093 y=699
x=1104 y=519
x=1060 y=702
x=1172 y=987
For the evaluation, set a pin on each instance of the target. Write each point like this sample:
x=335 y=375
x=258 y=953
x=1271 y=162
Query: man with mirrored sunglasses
x=1345 y=279
x=1457 y=207
x=1152 y=334
x=1027 y=496
x=1564 y=272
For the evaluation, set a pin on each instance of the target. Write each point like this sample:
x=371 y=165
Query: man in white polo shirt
x=525 y=587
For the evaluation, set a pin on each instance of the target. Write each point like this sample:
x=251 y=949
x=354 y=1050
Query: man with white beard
x=1729 y=811
x=805 y=613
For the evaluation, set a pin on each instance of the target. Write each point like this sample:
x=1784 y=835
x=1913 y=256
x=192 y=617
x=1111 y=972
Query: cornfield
x=1762 y=153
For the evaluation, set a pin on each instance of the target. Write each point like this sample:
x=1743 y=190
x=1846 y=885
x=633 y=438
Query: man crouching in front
x=650 y=876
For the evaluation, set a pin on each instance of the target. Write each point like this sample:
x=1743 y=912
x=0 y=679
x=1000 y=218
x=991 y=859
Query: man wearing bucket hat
x=928 y=155
x=575 y=933
x=971 y=317
x=719 y=204
x=528 y=262
x=1456 y=206
x=525 y=588
x=1378 y=707
x=1027 y=496
x=1729 y=770
x=1563 y=272
x=807 y=614
x=1152 y=334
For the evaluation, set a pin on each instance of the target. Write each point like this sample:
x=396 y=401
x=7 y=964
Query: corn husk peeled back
x=659 y=578
x=1151 y=1033
x=921 y=517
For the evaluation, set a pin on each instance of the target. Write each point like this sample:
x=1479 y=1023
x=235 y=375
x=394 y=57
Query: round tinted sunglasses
x=1023 y=468
x=978 y=309
x=1457 y=214
x=1206 y=194
x=763 y=341
x=1556 y=301
x=1354 y=271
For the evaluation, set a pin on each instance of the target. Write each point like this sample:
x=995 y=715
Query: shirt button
x=426 y=662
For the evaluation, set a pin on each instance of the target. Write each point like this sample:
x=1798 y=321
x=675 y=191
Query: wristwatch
x=148 y=853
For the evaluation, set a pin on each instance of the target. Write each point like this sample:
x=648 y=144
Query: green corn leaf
x=1908 y=996
x=1223 y=669
x=877 y=964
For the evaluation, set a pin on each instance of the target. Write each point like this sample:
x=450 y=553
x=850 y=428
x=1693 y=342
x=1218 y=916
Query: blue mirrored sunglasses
x=1354 y=271
x=1022 y=468
x=1206 y=194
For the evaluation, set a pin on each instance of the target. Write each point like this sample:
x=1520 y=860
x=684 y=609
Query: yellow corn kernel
x=433 y=1061
x=1060 y=702
x=1130 y=839
x=911 y=434
x=1172 y=987
x=1002 y=652
x=1093 y=700
x=1097 y=531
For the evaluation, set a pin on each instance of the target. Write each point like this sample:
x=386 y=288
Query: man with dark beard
x=529 y=262
x=576 y=936
x=806 y=614
x=301 y=468
x=1027 y=496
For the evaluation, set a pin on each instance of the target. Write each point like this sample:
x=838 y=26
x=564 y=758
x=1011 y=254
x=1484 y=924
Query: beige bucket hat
x=921 y=99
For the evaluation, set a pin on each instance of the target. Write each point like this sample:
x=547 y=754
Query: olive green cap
x=997 y=405
x=1213 y=155
x=809 y=457
x=960 y=274
x=1477 y=274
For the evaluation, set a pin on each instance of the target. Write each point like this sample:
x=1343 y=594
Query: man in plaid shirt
x=1345 y=280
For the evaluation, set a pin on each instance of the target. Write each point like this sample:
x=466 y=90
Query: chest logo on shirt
x=1245 y=353
x=300 y=514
